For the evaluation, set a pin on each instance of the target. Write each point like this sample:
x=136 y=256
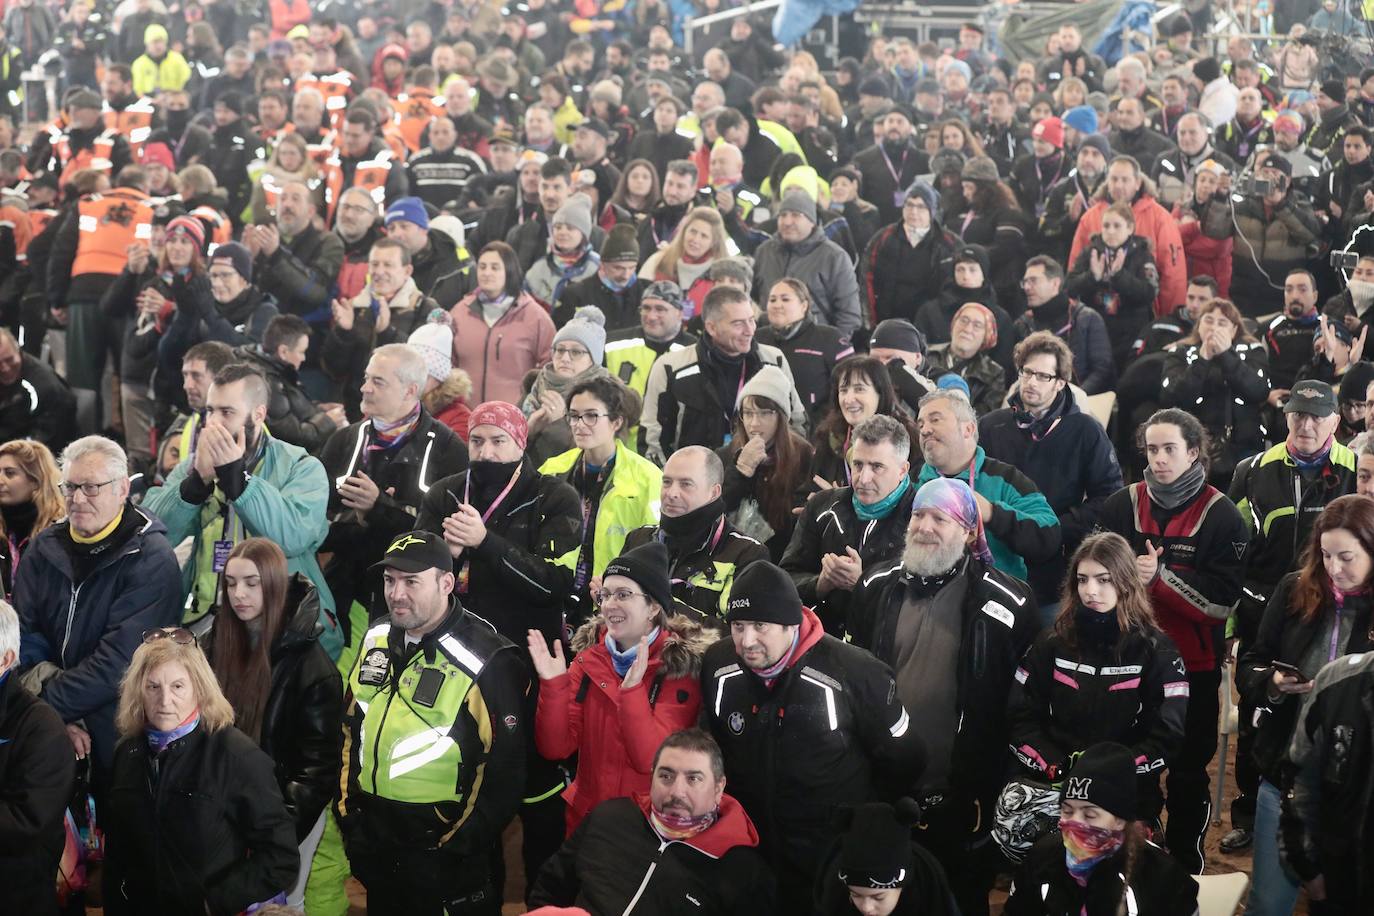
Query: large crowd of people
x=779 y=489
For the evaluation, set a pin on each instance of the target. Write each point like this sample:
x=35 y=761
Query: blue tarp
x=1134 y=16
x=797 y=17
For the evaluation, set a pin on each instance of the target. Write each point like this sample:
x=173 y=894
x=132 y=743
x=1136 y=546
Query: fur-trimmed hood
x=680 y=647
x=457 y=385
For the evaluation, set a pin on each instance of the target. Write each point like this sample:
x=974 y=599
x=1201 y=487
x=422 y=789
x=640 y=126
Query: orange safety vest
x=107 y=225
x=328 y=146
x=98 y=156
x=416 y=108
x=18 y=222
x=39 y=220
x=337 y=89
x=219 y=231
x=391 y=135
x=369 y=173
x=134 y=122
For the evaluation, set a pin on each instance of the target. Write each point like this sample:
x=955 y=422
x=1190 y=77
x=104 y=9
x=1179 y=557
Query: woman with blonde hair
x=290 y=161
x=1103 y=672
x=699 y=242
x=1070 y=93
x=194 y=821
x=30 y=501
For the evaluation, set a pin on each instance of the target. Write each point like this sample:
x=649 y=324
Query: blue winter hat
x=951 y=381
x=410 y=209
x=923 y=190
x=1082 y=119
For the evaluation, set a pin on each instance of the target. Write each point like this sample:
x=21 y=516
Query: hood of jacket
x=678 y=648
x=270 y=365
x=733 y=828
x=457 y=385
x=304 y=626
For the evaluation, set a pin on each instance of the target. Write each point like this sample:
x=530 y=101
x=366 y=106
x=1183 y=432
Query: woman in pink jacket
x=500 y=332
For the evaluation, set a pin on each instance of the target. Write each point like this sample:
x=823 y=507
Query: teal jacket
x=284 y=501
x=1023 y=528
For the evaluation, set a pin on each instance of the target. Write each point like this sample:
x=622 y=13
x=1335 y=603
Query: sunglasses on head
x=179 y=635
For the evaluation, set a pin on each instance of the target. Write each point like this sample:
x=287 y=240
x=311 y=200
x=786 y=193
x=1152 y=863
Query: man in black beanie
x=806 y=722
x=875 y=867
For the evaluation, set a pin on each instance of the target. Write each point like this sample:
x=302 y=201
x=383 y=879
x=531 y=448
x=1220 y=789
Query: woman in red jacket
x=633 y=682
x=1204 y=255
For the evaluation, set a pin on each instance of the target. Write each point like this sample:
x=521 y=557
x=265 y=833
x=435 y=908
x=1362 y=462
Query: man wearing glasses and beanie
x=86 y=590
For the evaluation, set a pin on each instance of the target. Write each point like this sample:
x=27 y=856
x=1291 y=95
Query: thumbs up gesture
x=1147 y=565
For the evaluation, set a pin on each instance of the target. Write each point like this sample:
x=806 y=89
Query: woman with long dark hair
x=1103 y=672
x=635 y=195
x=30 y=501
x=1317 y=614
x=859 y=388
x=285 y=692
x=1100 y=861
x=767 y=466
x=1220 y=374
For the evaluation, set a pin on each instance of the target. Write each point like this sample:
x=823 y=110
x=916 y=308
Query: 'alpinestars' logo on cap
x=404 y=541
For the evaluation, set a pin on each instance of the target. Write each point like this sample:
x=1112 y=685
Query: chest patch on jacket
x=372 y=671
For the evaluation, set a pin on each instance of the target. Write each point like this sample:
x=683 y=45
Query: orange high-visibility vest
x=369 y=173
x=218 y=229
x=134 y=122
x=328 y=146
x=417 y=108
x=99 y=155
x=108 y=224
x=337 y=89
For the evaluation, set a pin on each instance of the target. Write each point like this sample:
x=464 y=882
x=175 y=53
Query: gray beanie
x=798 y=201
x=739 y=269
x=771 y=384
x=576 y=212
x=980 y=168
x=587 y=327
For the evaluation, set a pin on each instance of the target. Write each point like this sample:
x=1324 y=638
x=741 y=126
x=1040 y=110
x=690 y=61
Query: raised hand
x=546 y=666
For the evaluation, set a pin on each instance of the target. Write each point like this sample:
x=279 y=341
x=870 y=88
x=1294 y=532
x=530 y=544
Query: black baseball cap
x=416 y=551
x=1311 y=397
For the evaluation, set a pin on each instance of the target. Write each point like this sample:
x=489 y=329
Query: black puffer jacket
x=36 y=773
x=897 y=276
x=1159 y=886
x=1227 y=393
x=291 y=415
x=303 y=718
x=39 y=406
x=207 y=833
x=1123 y=299
x=828 y=524
x=999 y=622
x=812 y=350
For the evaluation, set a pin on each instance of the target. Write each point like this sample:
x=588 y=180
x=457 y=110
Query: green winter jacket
x=284 y=501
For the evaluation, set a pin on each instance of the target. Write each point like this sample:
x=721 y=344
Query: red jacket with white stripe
x=1069 y=697
x=1200 y=571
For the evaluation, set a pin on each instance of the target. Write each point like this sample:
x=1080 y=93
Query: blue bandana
x=623 y=660
x=883 y=507
x=159 y=740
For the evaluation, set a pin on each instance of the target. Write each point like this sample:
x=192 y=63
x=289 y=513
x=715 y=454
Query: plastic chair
x=1228 y=723
x=1220 y=895
x=1100 y=407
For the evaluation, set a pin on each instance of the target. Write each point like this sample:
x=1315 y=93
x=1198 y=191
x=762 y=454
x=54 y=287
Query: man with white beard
x=952 y=628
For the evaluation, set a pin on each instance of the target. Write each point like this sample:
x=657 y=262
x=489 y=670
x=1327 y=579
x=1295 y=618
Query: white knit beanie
x=434 y=341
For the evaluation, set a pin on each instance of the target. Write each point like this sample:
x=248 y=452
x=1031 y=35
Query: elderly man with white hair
x=87 y=589
x=37 y=769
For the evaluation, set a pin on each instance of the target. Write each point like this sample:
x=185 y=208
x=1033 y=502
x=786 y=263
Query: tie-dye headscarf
x=954 y=498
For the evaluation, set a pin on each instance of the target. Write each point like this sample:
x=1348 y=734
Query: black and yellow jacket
x=434 y=738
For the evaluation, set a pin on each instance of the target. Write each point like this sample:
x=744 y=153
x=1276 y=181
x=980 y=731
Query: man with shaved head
x=705 y=549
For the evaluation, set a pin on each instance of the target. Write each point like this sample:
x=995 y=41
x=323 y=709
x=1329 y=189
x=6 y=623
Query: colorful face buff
x=680 y=827
x=1085 y=846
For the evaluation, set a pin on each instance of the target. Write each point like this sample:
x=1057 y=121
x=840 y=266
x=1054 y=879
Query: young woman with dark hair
x=991 y=217
x=1103 y=672
x=635 y=195
x=767 y=466
x=286 y=693
x=1317 y=614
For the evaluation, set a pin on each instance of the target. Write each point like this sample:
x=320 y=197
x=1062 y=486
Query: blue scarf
x=883 y=507
x=614 y=286
x=159 y=740
x=623 y=660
